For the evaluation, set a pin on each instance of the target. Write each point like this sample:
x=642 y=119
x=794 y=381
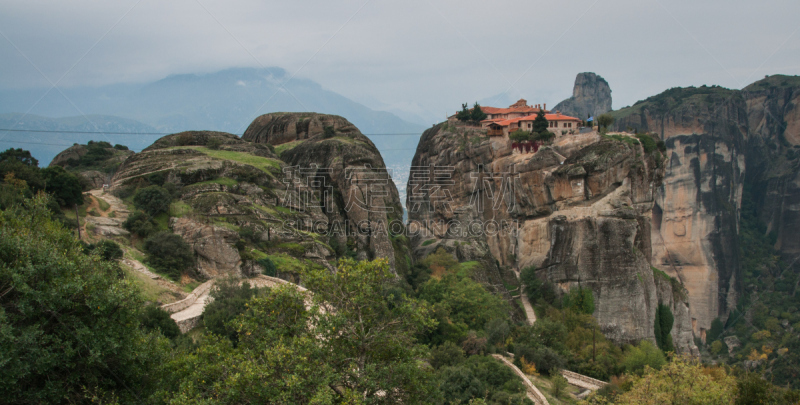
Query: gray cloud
x=434 y=55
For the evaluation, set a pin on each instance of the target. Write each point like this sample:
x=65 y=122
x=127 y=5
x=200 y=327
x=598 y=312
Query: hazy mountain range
x=227 y=101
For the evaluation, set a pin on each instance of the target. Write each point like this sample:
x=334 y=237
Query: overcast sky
x=411 y=52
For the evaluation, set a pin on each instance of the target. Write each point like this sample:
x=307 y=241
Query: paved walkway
x=189 y=310
x=533 y=393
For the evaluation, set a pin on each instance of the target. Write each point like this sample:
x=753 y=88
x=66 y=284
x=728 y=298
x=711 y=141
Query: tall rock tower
x=591 y=96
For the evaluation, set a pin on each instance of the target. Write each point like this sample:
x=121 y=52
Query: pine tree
x=477 y=114
x=540 y=123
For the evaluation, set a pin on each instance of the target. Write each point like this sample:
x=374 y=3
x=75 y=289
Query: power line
x=49 y=131
x=63 y=144
x=34 y=143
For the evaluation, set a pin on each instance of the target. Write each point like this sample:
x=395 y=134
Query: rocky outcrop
x=98 y=167
x=345 y=177
x=773 y=157
x=278 y=128
x=213 y=247
x=591 y=96
x=233 y=206
x=578 y=210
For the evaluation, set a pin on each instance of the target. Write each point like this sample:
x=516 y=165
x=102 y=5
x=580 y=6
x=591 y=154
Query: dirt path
x=526 y=304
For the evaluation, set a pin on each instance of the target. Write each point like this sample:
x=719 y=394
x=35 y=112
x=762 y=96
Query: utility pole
x=78 y=220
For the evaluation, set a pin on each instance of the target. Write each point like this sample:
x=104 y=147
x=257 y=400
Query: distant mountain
x=222 y=101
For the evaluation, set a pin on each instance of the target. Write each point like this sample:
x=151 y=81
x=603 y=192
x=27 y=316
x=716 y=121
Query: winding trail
x=573 y=378
x=188 y=311
x=533 y=393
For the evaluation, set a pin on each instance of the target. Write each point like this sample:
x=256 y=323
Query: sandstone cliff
x=578 y=210
x=694 y=226
x=591 y=96
x=773 y=157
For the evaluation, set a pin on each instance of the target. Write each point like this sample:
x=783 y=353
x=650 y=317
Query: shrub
x=140 y=224
x=446 y=354
x=558 y=385
x=497 y=331
x=120 y=147
x=663 y=327
x=580 y=299
x=230 y=300
x=66 y=188
x=68 y=322
x=328 y=132
x=520 y=136
x=169 y=253
x=605 y=120
x=645 y=354
x=648 y=143
x=269 y=266
x=153 y=200
x=716 y=347
x=214 y=143
x=547 y=360
x=473 y=344
x=154 y=318
x=108 y=250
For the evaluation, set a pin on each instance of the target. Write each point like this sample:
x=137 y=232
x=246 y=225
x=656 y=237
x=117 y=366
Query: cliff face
x=773 y=157
x=591 y=96
x=694 y=227
x=579 y=211
x=359 y=203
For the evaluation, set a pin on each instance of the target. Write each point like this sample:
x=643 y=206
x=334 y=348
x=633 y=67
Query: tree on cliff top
x=464 y=115
x=540 y=124
x=477 y=114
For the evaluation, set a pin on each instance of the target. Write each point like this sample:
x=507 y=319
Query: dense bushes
x=229 y=301
x=153 y=200
x=69 y=326
x=168 y=253
x=153 y=318
x=140 y=224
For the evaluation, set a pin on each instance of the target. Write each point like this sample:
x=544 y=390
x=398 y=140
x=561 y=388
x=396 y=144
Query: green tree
x=663 y=327
x=558 y=385
x=23 y=166
x=477 y=115
x=604 y=121
x=446 y=354
x=69 y=325
x=66 y=187
x=465 y=114
x=229 y=301
x=520 y=135
x=682 y=381
x=169 y=253
x=347 y=343
x=153 y=200
x=153 y=318
x=580 y=299
x=715 y=331
x=645 y=355
x=108 y=249
x=540 y=123
x=269 y=266
x=460 y=304
x=140 y=224
x=20 y=155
